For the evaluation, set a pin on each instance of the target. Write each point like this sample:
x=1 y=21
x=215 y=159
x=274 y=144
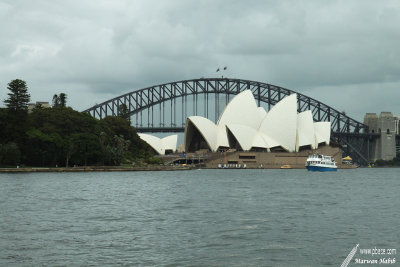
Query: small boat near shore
x=286 y=166
x=321 y=163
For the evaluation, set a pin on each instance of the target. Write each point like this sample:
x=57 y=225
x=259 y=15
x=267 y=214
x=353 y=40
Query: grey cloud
x=101 y=49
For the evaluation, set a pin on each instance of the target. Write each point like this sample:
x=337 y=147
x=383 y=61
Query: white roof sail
x=249 y=138
x=245 y=136
x=258 y=141
x=153 y=141
x=280 y=124
x=305 y=130
x=242 y=109
x=160 y=144
x=222 y=137
x=207 y=129
x=253 y=127
x=322 y=132
x=270 y=142
x=261 y=114
x=170 y=142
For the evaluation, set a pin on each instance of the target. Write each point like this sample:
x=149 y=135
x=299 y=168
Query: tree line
x=61 y=136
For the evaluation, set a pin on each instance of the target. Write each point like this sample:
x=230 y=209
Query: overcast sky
x=343 y=53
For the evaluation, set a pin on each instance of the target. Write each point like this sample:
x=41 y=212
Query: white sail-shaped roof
x=222 y=137
x=160 y=145
x=253 y=127
x=241 y=110
x=249 y=138
x=322 y=132
x=153 y=141
x=214 y=135
x=259 y=141
x=170 y=142
x=246 y=136
x=280 y=123
x=305 y=130
x=206 y=128
x=261 y=115
x=270 y=142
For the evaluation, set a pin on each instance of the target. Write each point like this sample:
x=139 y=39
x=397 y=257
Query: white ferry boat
x=321 y=163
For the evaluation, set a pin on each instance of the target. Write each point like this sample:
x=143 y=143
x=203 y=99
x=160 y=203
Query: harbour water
x=197 y=218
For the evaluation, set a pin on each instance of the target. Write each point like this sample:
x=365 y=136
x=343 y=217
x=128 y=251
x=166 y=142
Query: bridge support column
x=383 y=147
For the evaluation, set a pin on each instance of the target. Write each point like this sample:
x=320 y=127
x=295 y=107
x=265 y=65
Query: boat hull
x=321 y=169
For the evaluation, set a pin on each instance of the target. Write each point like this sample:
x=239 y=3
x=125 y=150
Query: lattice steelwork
x=200 y=90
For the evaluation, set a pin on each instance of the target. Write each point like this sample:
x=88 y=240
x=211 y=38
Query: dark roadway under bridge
x=165 y=107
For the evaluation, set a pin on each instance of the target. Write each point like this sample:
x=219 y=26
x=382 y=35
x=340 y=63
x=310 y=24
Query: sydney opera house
x=246 y=132
x=245 y=127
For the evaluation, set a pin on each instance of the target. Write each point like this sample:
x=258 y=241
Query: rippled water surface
x=197 y=218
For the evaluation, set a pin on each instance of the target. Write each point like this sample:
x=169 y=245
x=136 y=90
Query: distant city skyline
x=343 y=53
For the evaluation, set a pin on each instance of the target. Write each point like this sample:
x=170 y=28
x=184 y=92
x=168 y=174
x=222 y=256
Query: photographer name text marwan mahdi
x=376 y=261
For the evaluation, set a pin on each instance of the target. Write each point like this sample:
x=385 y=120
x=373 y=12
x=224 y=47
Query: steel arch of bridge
x=145 y=99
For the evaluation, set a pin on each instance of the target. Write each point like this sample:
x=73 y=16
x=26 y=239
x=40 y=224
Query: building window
x=247 y=157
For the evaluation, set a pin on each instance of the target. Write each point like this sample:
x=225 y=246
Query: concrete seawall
x=97 y=169
x=271 y=160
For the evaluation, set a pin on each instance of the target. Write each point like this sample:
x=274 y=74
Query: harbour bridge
x=165 y=107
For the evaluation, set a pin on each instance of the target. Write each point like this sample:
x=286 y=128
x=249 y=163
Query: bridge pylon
x=384 y=127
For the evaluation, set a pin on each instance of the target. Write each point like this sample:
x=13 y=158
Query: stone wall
x=385 y=146
x=270 y=159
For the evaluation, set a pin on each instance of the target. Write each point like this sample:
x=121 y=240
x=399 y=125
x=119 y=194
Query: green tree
x=58 y=135
x=56 y=101
x=123 y=112
x=63 y=136
x=3 y=124
x=118 y=149
x=17 y=112
x=70 y=148
x=38 y=106
x=60 y=100
x=63 y=100
x=43 y=148
x=9 y=154
x=138 y=149
x=88 y=149
x=18 y=98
